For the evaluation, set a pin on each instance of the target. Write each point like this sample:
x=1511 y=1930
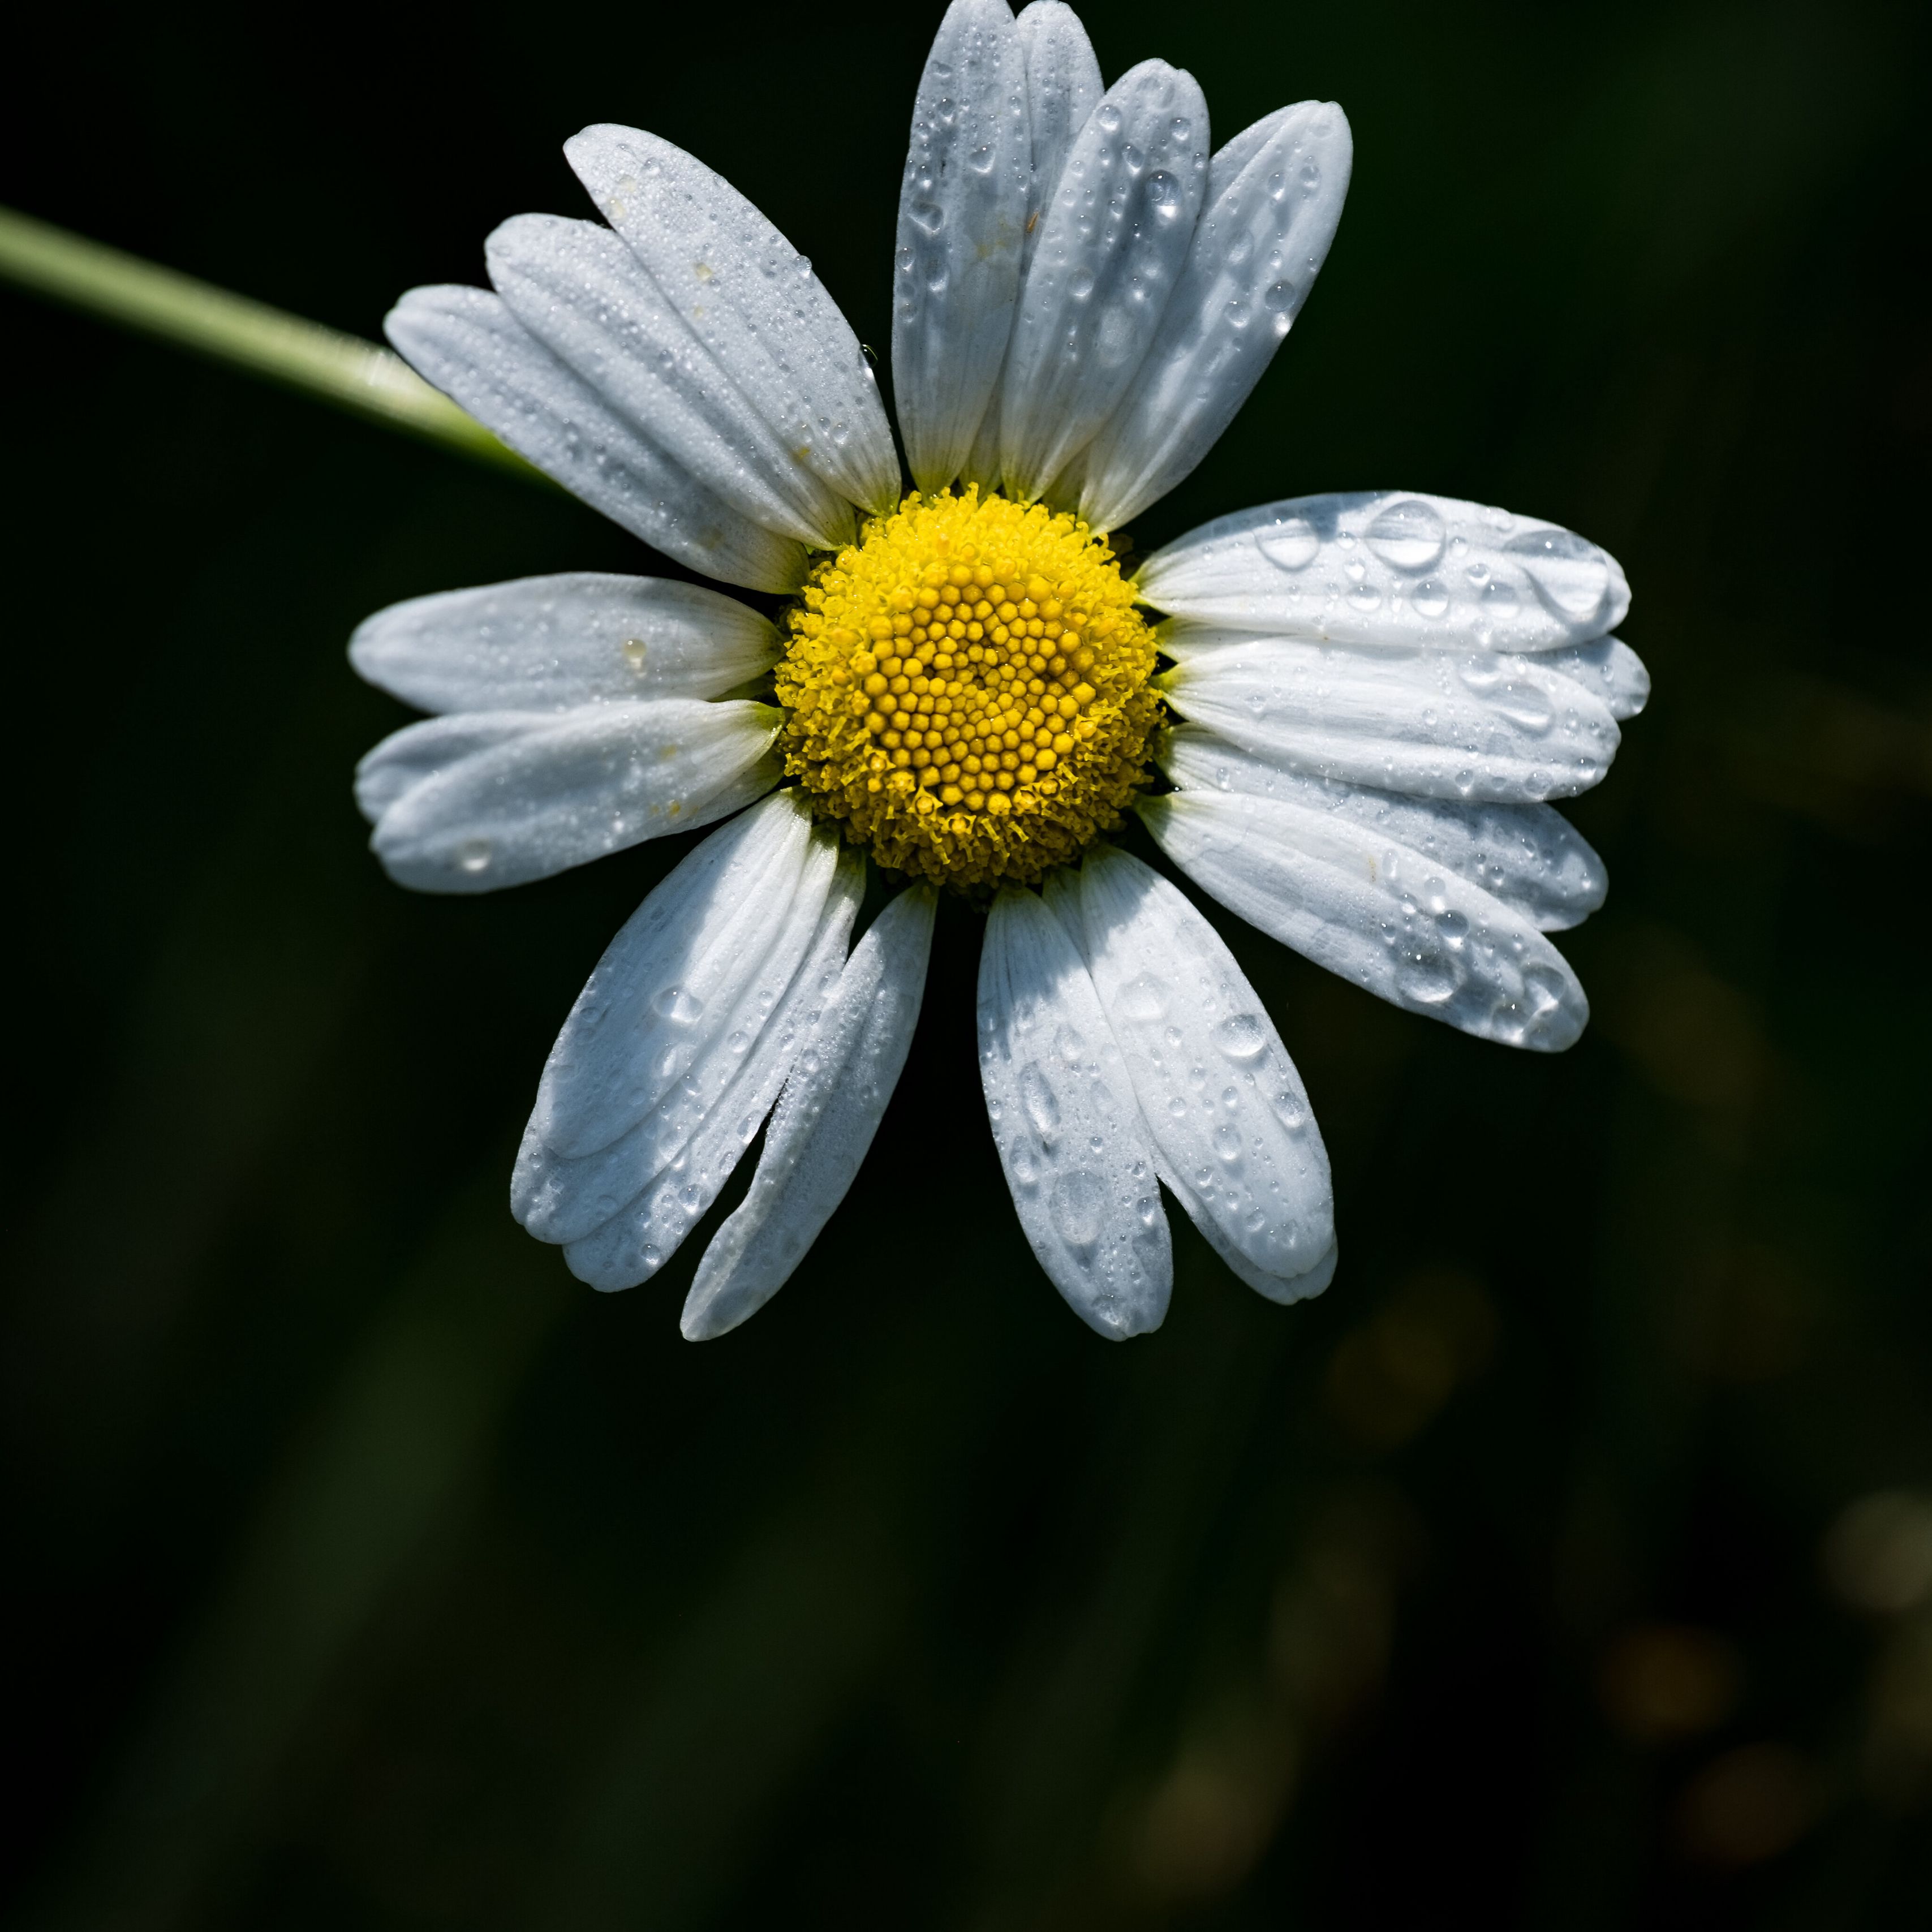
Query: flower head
x=1367 y=703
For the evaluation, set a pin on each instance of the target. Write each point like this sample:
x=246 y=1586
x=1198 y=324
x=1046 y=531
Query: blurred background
x=1568 y=1564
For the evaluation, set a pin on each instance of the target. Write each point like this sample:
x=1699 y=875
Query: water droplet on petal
x=1037 y=1096
x=1291 y=544
x=679 y=1004
x=1424 y=977
x=1145 y=1000
x=1408 y=536
x=1570 y=575
x=1077 y=1205
x=1241 y=1035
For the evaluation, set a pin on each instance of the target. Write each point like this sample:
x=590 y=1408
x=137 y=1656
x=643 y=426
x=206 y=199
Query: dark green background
x=367 y=1571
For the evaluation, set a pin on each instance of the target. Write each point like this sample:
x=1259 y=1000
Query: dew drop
x=472 y=856
x=1069 y=1046
x=927 y=217
x=1570 y=575
x=1408 y=536
x=679 y=1004
x=1291 y=544
x=1429 y=598
x=1228 y=1143
x=1037 y=1096
x=1080 y=284
x=1145 y=1000
x=1077 y=1204
x=1525 y=706
x=1424 y=978
x=1546 y=990
x=1241 y=1036
x=634 y=652
x=1163 y=194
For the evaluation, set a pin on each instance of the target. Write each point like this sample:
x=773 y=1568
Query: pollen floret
x=967 y=689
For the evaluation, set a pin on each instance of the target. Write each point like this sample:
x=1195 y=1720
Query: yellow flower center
x=967 y=689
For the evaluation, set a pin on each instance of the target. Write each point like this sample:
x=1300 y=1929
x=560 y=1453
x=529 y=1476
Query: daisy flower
x=1342 y=716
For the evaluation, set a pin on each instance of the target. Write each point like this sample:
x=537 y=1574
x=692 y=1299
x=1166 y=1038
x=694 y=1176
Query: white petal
x=1227 y=1111
x=484 y=799
x=1274 y=200
x=466 y=342
x=552 y=643
x=1299 y=1287
x=961 y=229
x=576 y=288
x=625 y=1209
x=1063 y=87
x=1376 y=913
x=1390 y=567
x=408 y=758
x=1113 y=242
x=634 y=1243
x=711 y=948
x=827 y=1115
x=1076 y=1153
x=1477 y=725
x=752 y=299
x=1610 y=670
x=1530 y=856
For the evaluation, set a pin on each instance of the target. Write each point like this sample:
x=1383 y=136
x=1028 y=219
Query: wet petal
x=752 y=299
x=1609 y=670
x=1379 y=915
x=826 y=1116
x=485 y=799
x=1063 y=87
x=1113 y=241
x=711 y=948
x=1227 y=1113
x=961 y=231
x=1274 y=201
x=1078 y=1159
x=577 y=288
x=1529 y=856
x=1392 y=567
x=1475 y=725
x=623 y=1211
x=552 y=643
x=466 y=342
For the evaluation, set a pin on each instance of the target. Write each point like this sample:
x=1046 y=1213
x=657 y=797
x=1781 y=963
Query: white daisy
x=1377 y=693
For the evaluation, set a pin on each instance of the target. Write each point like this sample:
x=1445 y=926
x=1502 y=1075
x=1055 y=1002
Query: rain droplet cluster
x=967 y=689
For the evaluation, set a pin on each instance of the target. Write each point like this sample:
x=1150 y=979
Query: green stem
x=340 y=369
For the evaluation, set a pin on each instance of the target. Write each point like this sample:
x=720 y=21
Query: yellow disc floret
x=967 y=689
